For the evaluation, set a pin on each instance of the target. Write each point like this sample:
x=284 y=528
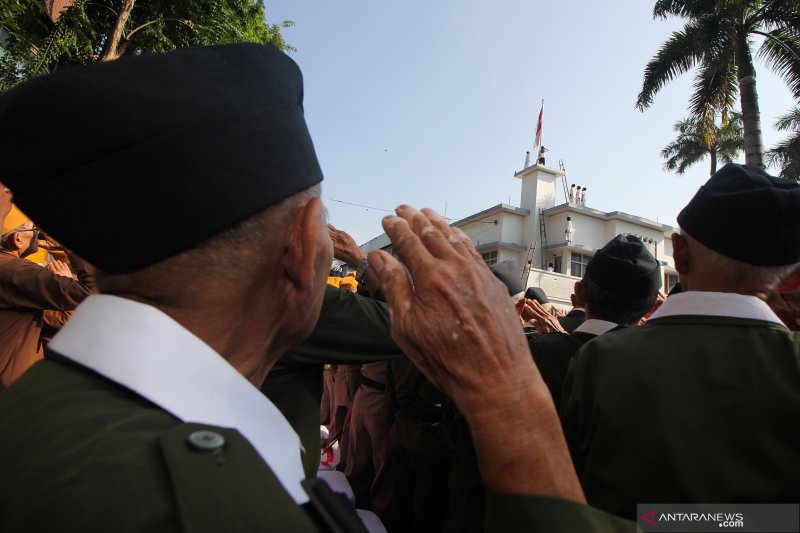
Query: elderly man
x=146 y=416
x=27 y=290
x=694 y=406
x=620 y=285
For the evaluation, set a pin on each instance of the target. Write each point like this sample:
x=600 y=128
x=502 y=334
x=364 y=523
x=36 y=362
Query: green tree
x=695 y=142
x=717 y=38
x=103 y=30
x=786 y=155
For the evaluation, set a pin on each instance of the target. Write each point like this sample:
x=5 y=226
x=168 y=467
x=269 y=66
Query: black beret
x=509 y=273
x=624 y=267
x=745 y=214
x=180 y=145
x=536 y=293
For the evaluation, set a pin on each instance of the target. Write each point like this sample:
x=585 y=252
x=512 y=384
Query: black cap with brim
x=509 y=273
x=130 y=162
x=538 y=294
x=624 y=267
x=745 y=214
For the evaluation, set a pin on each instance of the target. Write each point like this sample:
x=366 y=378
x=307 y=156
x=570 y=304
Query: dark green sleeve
x=508 y=513
x=351 y=329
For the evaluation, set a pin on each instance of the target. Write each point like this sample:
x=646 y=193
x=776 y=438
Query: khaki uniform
x=26 y=291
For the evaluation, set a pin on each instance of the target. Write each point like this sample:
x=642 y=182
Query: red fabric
x=538 y=140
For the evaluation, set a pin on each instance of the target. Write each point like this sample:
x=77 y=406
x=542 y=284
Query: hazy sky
x=433 y=103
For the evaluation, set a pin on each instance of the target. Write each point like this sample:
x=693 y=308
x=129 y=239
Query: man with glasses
x=26 y=291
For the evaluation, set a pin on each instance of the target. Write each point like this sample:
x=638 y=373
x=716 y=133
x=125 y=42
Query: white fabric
x=595 y=326
x=371 y=521
x=725 y=304
x=146 y=351
x=337 y=481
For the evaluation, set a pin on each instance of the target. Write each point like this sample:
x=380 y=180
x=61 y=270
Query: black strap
x=330 y=510
x=371 y=383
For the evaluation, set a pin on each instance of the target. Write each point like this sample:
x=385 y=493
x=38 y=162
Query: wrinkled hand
x=60 y=268
x=454 y=319
x=542 y=320
x=344 y=247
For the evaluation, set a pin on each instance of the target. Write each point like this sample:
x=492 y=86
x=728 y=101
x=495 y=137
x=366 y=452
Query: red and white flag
x=538 y=140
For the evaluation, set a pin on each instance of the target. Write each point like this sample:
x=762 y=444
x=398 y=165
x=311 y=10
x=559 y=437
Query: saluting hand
x=345 y=247
x=454 y=319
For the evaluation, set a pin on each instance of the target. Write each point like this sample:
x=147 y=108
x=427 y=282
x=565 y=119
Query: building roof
x=613 y=215
x=496 y=210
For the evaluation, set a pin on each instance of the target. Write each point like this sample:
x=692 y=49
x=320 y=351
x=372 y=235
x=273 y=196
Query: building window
x=557 y=264
x=669 y=281
x=578 y=264
x=490 y=257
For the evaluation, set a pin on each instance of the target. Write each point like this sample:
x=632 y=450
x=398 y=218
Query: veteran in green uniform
x=620 y=285
x=196 y=173
x=696 y=405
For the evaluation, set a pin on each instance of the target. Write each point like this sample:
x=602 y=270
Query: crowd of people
x=202 y=340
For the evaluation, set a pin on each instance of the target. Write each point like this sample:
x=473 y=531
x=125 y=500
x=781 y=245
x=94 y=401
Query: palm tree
x=786 y=155
x=695 y=141
x=717 y=38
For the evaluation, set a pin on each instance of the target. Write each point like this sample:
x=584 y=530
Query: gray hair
x=731 y=271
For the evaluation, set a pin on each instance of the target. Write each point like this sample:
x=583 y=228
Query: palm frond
x=789 y=121
x=780 y=15
x=715 y=87
x=682 y=8
x=680 y=53
x=781 y=52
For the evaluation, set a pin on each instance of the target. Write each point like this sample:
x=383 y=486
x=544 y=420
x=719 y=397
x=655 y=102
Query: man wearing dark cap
x=695 y=406
x=620 y=285
x=146 y=416
x=148 y=409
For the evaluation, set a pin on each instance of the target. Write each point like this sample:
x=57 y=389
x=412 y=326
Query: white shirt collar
x=725 y=304
x=146 y=351
x=595 y=326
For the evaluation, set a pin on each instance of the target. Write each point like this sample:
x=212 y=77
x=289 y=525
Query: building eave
x=498 y=245
x=613 y=215
x=495 y=210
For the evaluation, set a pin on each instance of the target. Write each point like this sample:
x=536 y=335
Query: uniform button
x=206 y=441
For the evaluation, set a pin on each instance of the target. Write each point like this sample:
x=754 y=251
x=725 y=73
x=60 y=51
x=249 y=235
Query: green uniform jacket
x=82 y=454
x=572 y=320
x=693 y=409
x=552 y=354
x=351 y=330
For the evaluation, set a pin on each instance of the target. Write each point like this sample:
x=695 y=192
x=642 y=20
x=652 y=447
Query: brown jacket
x=26 y=291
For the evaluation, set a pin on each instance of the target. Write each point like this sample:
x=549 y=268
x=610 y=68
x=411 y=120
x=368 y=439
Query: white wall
x=557 y=287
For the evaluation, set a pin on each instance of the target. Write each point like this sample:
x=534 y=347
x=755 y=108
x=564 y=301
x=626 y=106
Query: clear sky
x=433 y=103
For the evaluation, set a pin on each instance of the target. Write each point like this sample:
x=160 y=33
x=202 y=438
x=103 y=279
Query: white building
x=536 y=236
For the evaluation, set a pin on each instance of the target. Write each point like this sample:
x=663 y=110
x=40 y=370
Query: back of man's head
x=621 y=281
x=742 y=231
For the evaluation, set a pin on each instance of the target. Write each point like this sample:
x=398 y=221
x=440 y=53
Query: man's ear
x=303 y=247
x=580 y=293
x=680 y=254
x=16 y=241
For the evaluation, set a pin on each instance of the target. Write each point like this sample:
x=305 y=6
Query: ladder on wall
x=542 y=237
x=564 y=180
x=526 y=270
